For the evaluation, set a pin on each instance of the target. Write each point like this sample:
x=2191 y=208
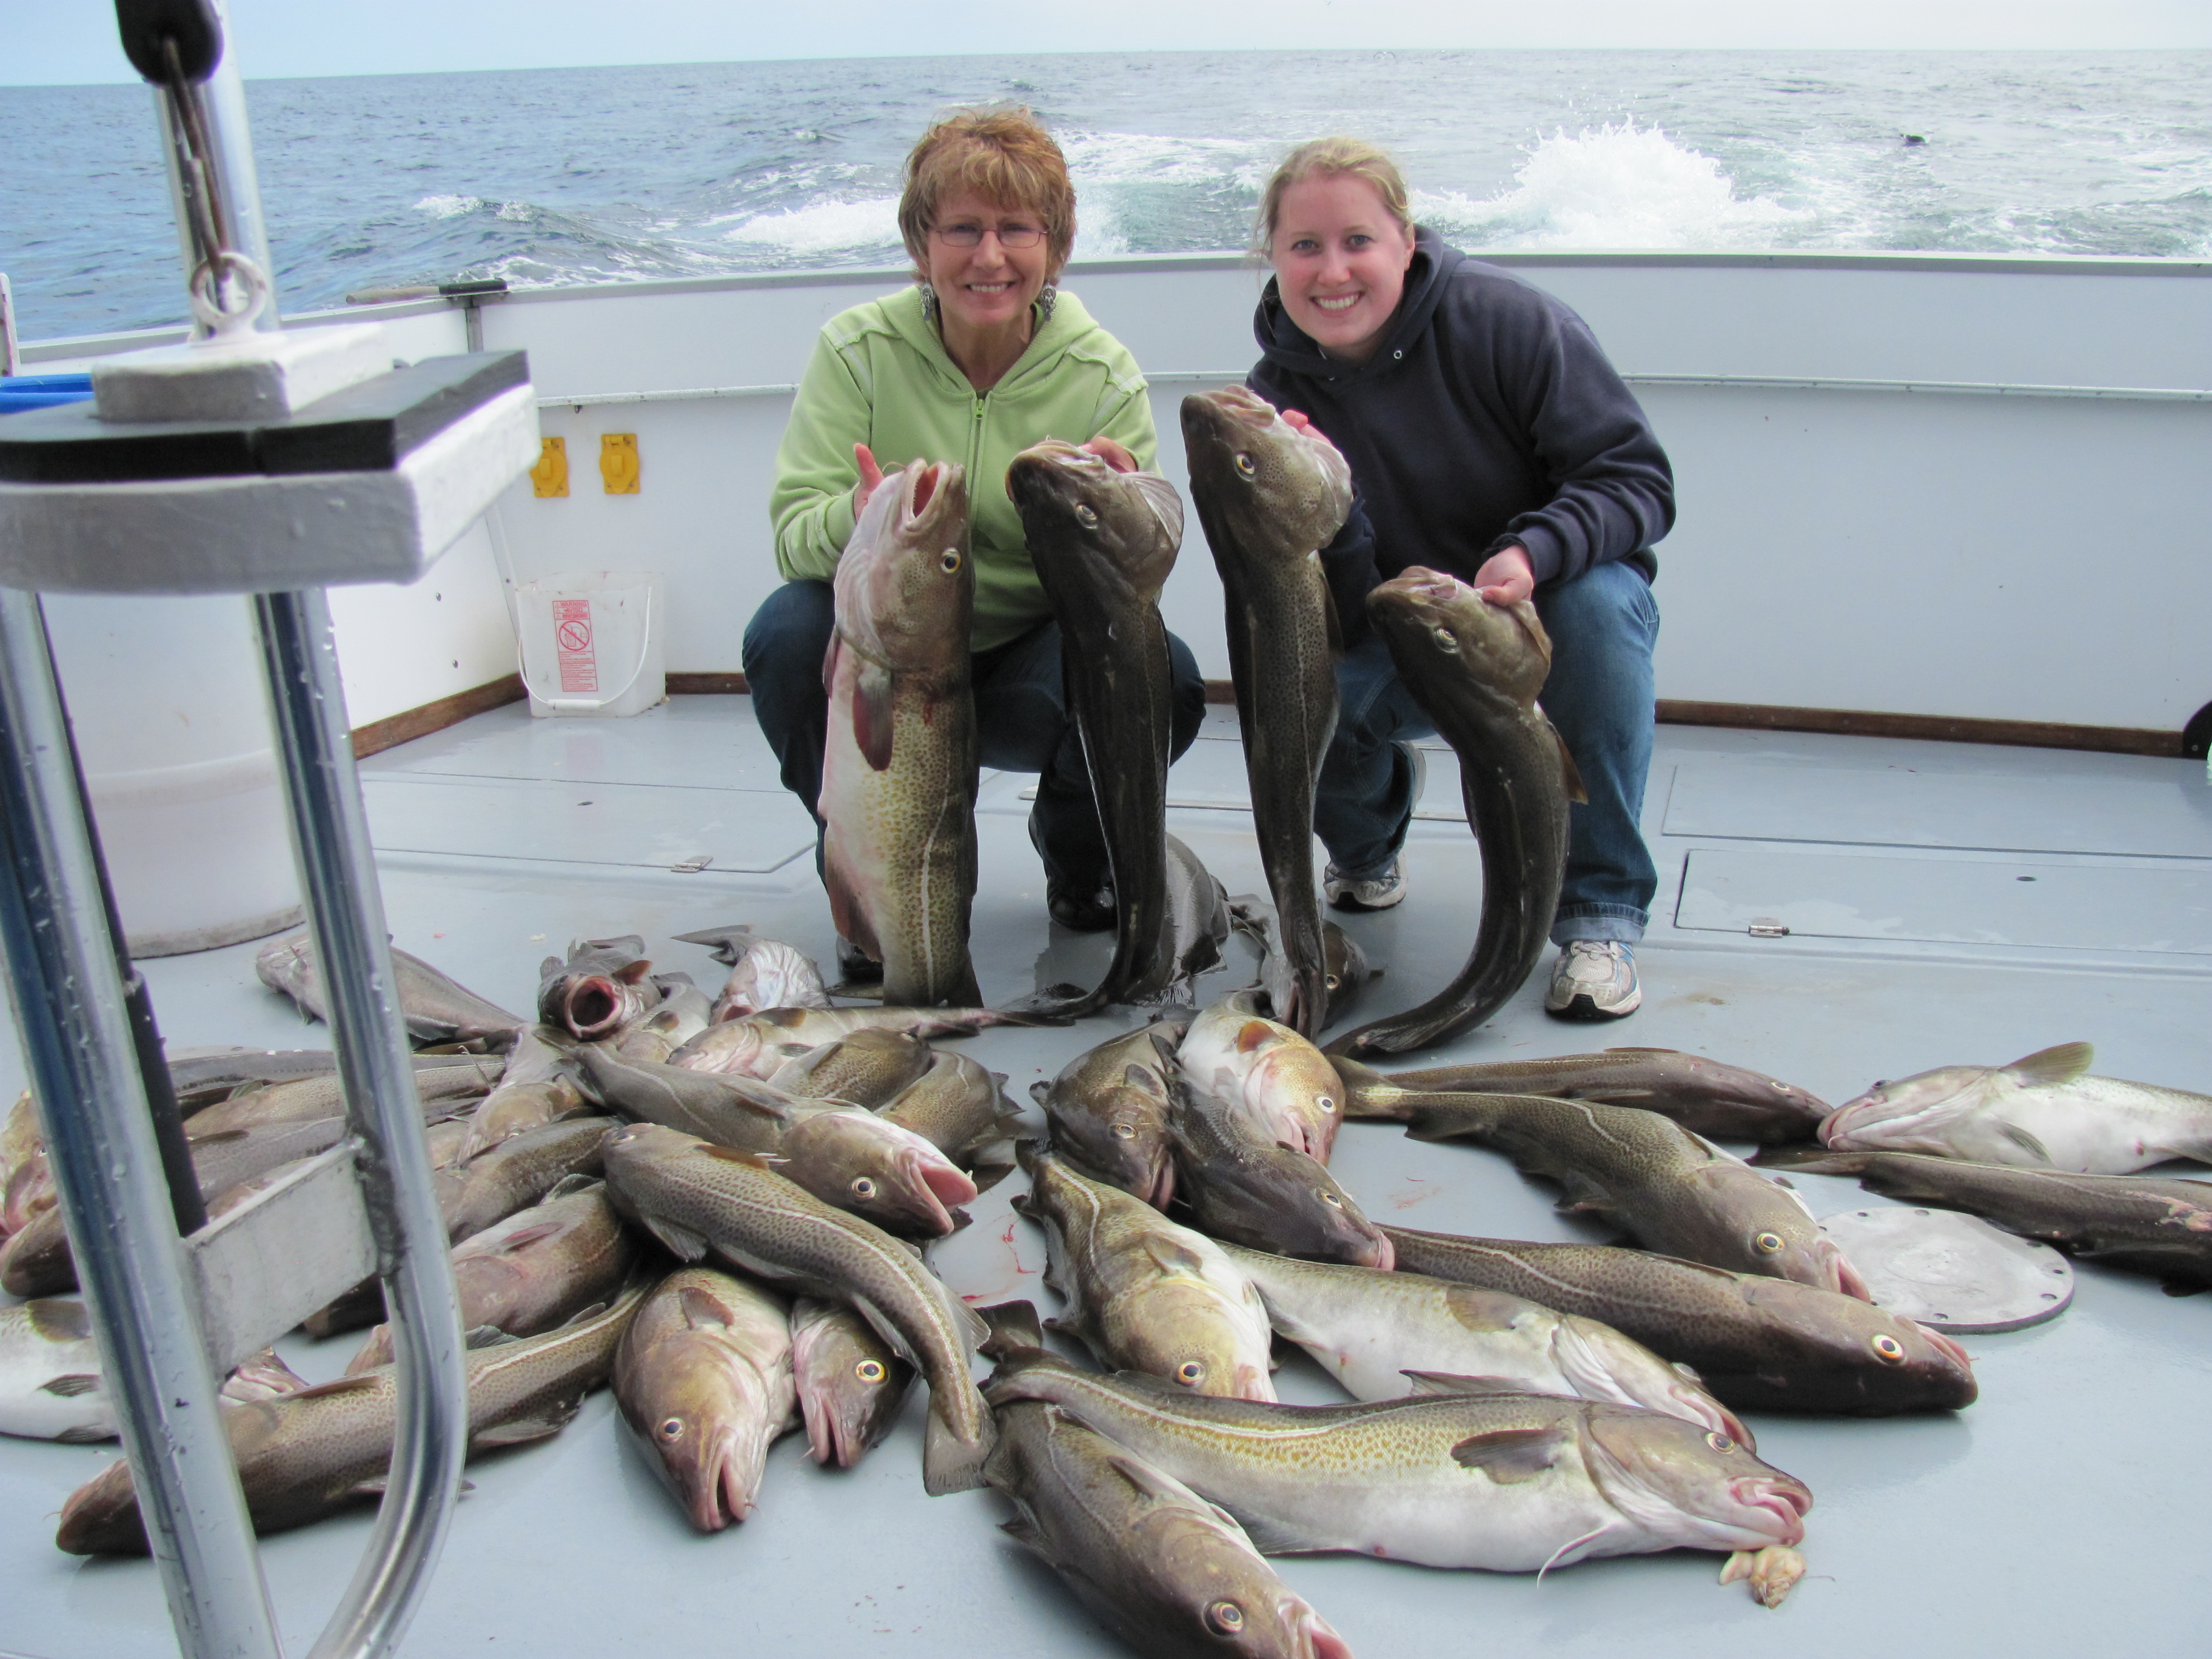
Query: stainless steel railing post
x=70 y=1008
x=345 y=910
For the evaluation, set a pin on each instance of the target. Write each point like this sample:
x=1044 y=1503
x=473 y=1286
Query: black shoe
x=1078 y=910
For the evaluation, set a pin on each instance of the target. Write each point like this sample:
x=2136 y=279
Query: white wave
x=1111 y=158
x=448 y=207
x=1616 y=187
x=824 y=227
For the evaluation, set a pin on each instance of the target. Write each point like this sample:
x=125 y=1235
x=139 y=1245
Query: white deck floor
x=2061 y=1516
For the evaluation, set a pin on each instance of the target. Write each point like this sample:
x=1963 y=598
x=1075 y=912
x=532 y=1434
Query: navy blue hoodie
x=1488 y=414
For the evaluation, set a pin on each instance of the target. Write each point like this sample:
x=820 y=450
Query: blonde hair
x=1002 y=153
x=1338 y=157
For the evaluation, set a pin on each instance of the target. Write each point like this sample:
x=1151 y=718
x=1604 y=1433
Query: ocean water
x=598 y=174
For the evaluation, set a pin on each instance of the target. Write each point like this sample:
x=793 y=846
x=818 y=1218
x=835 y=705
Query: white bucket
x=590 y=642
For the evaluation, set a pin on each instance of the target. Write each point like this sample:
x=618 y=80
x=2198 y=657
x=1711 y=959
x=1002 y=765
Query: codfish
x=51 y=1386
x=603 y=986
x=516 y=1109
x=22 y=1164
x=758 y=1044
x=1104 y=543
x=704 y=1381
x=436 y=1009
x=1756 y=1343
x=443 y=1092
x=1198 y=920
x=898 y=774
x=2043 y=1112
x=1348 y=971
x=680 y=1016
x=1142 y=1293
x=520 y=1170
x=1155 y=1563
x=764 y=974
x=1705 y=1097
x=851 y=1384
x=866 y=1068
x=1475 y=668
x=1376 y=1333
x=873 y=1168
x=730 y=1111
x=1264 y=1076
x=958 y=1105
x=312 y=1453
x=1270 y=498
x=1676 y=1194
x=694 y=1197
x=1109 y=1109
x=2153 y=1225
x=1264 y=1194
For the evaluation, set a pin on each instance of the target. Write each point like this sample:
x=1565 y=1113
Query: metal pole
x=9 y=362
x=346 y=910
x=76 y=1038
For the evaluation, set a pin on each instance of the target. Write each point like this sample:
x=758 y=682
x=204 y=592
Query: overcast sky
x=73 y=42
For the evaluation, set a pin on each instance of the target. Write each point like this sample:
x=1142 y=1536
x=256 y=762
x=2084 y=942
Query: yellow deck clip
x=551 y=476
x=618 y=462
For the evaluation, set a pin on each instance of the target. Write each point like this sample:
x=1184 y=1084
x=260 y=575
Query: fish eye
x=1086 y=516
x=1246 y=469
x=1323 y=1101
x=1190 y=1373
x=1328 y=1197
x=671 y=1431
x=1443 y=638
x=1888 y=1350
x=1719 y=1442
x=1126 y=1131
x=863 y=1186
x=1225 y=1617
x=1333 y=982
x=1883 y=1083
x=948 y=561
x=1767 y=1244
x=869 y=1371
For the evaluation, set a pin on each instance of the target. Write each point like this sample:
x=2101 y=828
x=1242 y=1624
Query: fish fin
x=1571 y=776
x=1271 y=1538
x=1335 y=622
x=548 y=1422
x=1639 y=1048
x=2053 y=1067
x=872 y=715
x=69 y=1387
x=1170 y=1257
x=1040 y=1091
x=478 y=1337
x=2025 y=1140
x=84 y=1437
x=702 y=1309
x=1021 y=1531
x=731 y=1155
x=523 y=1237
x=1510 y=1456
x=1011 y=1327
x=1254 y=1033
x=1811 y=1160
x=679 y=1242
x=344 y=1385
x=549 y=966
x=949 y=1463
x=1445 y=1383
x=569 y=1185
x=1149 y=1482
x=58 y=1320
x=632 y=973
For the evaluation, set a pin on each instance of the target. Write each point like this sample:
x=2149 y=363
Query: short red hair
x=1004 y=155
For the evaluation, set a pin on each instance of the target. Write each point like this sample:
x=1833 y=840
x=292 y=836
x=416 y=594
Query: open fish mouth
x=1785 y=1501
x=725 y=1490
x=1320 y=1641
x=596 y=1006
x=1836 y=1272
x=1950 y=1350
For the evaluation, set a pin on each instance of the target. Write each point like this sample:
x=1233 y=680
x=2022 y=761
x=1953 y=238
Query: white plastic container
x=172 y=723
x=592 y=642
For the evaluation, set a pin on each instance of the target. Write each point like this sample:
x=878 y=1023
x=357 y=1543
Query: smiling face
x=1341 y=258
x=989 y=287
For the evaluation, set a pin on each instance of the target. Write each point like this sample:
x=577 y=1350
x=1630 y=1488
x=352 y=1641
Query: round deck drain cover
x=1955 y=1272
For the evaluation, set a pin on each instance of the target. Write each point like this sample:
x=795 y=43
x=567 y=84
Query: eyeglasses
x=967 y=233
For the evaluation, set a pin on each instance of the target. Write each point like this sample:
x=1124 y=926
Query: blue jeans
x=1604 y=626
x=1023 y=723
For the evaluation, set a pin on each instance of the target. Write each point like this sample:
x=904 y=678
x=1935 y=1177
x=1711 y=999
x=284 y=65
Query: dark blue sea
x=552 y=176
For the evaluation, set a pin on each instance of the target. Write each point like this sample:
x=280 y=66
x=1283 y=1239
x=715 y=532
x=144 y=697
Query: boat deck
x=1944 y=903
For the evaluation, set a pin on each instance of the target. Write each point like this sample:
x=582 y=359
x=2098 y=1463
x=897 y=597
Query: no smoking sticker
x=572 y=639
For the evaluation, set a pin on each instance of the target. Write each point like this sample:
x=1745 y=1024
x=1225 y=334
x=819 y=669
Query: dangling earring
x=928 y=304
x=1046 y=295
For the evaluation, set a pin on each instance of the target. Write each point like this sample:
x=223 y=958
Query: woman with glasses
x=978 y=360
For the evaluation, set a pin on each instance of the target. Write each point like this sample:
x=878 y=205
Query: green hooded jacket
x=880 y=376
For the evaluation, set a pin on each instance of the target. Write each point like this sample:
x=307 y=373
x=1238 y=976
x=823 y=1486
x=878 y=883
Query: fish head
x=593 y=998
x=1197 y=1336
x=101 y=1516
x=850 y=1384
x=703 y=1408
x=1231 y=1601
x=876 y=1169
x=1695 y=1486
x=1430 y=616
x=1072 y=500
x=1911 y=1115
x=1896 y=1363
x=1779 y=1240
x=905 y=585
x=1275 y=486
x=1321 y=1221
x=1301 y=1088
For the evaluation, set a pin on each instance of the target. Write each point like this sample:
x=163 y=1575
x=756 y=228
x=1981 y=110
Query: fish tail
x=1812 y=1160
x=952 y=1461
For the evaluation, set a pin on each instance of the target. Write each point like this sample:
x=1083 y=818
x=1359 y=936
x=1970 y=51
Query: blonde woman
x=1488 y=437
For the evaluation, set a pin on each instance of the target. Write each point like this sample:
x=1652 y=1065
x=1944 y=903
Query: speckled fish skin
x=600 y=987
x=875 y=1169
x=1104 y=543
x=759 y=1044
x=1262 y=1193
x=1348 y=971
x=520 y=1170
x=1270 y=498
x=680 y=1016
x=1370 y=1330
x=898 y=769
x=735 y=1110
x=1142 y=1293
x=1705 y=1097
x=693 y=1197
x=2155 y=1225
x=851 y=1384
x=2042 y=1112
x=1475 y=668
x=534 y=1271
x=704 y=1378
x=1264 y=1075
x=517 y=1109
x=1109 y=1109
x=436 y=1008
x=1502 y=1482
x=442 y=1092
x=864 y=1068
x=1758 y=1343
x=1155 y=1563
x=50 y=1386
x=310 y=1455
x=1674 y=1193
x=22 y=1163
x=958 y=1105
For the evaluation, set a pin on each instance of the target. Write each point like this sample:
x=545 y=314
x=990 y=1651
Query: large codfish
x=898 y=771
x=1104 y=543
x=1270 y=498
x=1475 y=668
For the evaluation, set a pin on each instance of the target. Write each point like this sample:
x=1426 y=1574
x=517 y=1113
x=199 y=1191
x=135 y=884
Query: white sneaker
x=1595 y=979
x=1375 y=892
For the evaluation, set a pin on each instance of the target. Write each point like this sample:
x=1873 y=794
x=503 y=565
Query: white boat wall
x=1943 y=486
